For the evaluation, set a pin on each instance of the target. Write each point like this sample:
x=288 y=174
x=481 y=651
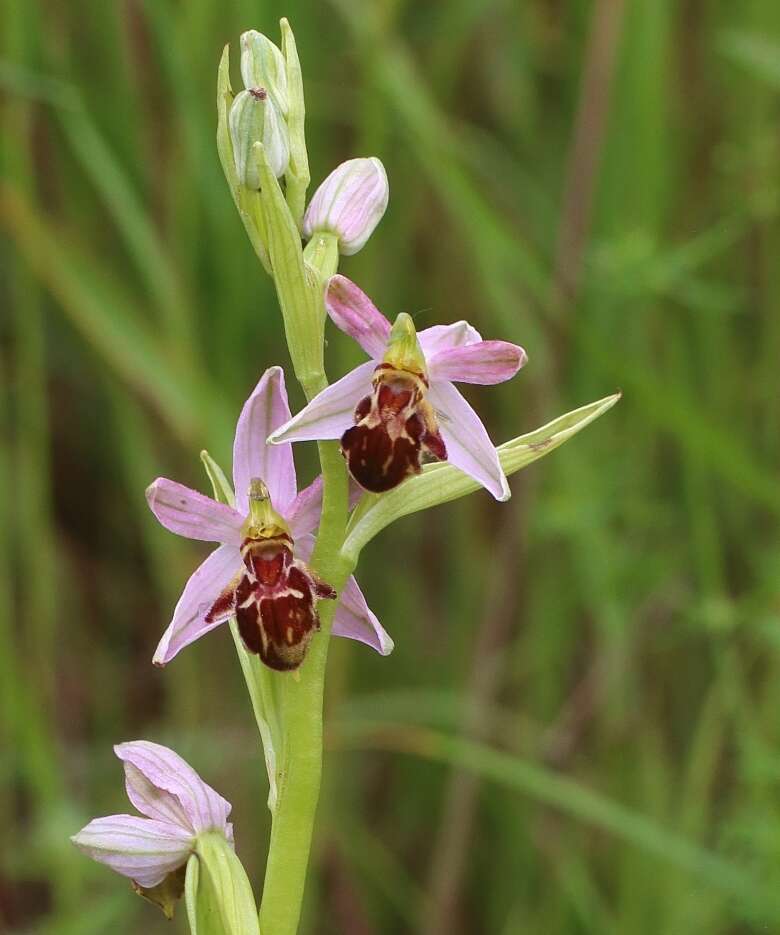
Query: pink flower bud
x=349 y=203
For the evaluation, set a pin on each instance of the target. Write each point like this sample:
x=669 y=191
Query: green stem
x=301 y=702
x=301 y=696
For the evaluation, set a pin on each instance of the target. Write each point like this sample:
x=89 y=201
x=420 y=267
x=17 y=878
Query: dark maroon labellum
x=395 y=431
x=274 y=600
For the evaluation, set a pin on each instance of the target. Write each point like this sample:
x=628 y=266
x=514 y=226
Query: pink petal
x=331 y=412
x=484 y=362
x=192 y=515
x=355 y=620
x=304 y=546
x=442 y=337
x=162 y=785
x=139 y=848
x=350 y=202
x=200 y=592
x=265 y=410
x=303 y=514
x=356 y=315
x=467 y=441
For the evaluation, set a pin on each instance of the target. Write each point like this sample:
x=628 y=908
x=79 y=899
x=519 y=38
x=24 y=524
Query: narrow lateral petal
x=355 y=620
x=150 y=800
x=331 y=412
x=485 y=362
x=191 y=514
x=441 y=337
x=162 y=785
x=265 y=410
x=304 y=547
x=303 y=514
x=200 y=592
x=139 y=848
x=468 y=445
x=356 y=315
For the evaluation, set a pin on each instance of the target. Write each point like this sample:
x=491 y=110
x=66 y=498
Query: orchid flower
x=401 y=407
x=177 y=806
x=259 y=570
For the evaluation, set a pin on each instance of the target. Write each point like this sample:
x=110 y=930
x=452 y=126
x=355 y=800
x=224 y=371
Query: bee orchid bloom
x=258 y=572
x=177 y=806
x=401 y=407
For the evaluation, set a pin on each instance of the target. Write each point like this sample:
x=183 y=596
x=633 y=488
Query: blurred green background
x=578 y=731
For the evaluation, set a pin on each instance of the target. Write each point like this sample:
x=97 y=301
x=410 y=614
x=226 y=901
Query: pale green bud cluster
x=259 y=112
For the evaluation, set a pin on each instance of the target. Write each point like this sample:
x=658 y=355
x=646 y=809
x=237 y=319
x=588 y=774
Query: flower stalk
x=301 y=700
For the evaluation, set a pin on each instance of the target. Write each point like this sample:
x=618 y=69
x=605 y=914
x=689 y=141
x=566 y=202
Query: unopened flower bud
x=350 y=203
x=254 y=119
x=263 y=66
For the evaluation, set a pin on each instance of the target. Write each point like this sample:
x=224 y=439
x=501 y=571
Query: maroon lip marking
x=273 y=598
x=395 y=430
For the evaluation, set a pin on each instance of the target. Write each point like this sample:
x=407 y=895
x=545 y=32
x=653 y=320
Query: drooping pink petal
x=485 y=362
x=442 y=337
x=161 y=785
x=265 y=410
x=467 y=441
x=143 y=849
x=191 y=514
x=356 y=315
x=331 y=412
x=200 y=592
x=355 y=620
x=303 y=514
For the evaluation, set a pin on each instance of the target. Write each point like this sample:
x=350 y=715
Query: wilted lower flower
x=349 y=203
x=254 y=119
x=177 y=806
x=259 y=572
x=401 y=406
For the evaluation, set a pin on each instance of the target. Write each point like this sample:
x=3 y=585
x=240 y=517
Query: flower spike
x=401 y=409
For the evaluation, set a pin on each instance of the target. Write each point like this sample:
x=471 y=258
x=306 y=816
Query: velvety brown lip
x=395 y=430
x=274 y=600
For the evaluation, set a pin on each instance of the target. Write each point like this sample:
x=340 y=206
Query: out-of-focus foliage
x=578 y=729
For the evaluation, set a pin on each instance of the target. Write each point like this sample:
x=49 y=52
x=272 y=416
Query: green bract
x=440 y=483
x=297 y=176
x=260 y=683
x=298 y=287
x=217 y=892
x=246 y=200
